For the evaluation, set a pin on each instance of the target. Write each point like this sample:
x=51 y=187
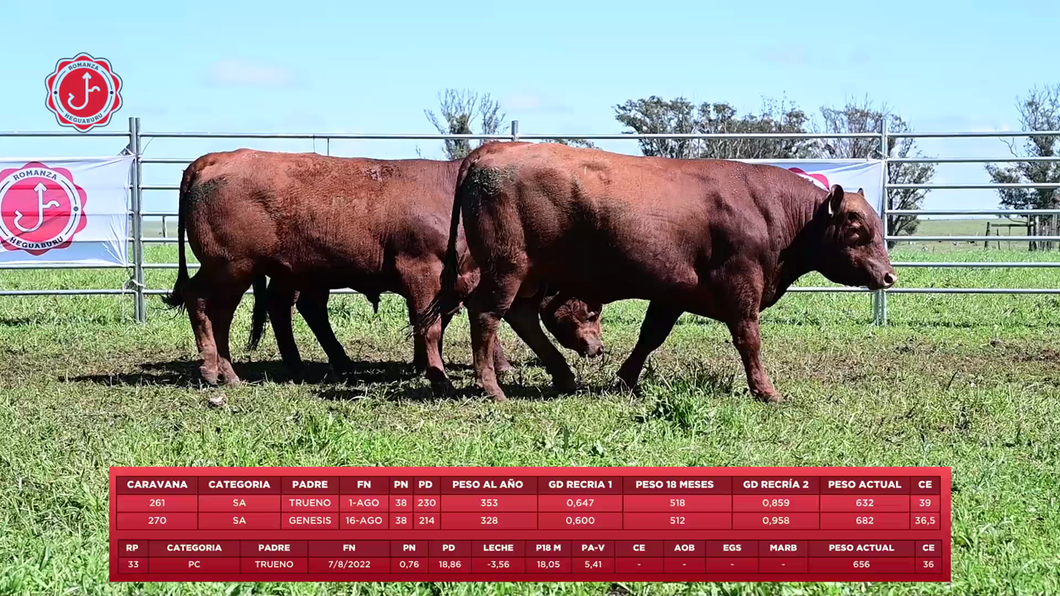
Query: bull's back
x=593 y=219
x=306 y=214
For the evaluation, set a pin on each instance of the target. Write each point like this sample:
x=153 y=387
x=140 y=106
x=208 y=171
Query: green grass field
x=964 y=381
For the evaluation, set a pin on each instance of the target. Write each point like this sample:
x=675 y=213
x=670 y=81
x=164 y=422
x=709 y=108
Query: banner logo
x=40 y=208
x=818 y=179
x=83 y=92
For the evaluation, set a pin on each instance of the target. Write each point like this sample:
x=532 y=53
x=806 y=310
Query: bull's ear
x=835 y=198
x=861 y=191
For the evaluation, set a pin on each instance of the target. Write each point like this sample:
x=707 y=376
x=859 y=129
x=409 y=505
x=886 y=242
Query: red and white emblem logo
x=40 y=208
x=83 y=92
x=818 y=179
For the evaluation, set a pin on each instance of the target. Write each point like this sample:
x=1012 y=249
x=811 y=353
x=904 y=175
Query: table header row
x=867 y=485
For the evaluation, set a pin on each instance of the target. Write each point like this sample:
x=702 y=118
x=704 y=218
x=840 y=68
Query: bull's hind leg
x=500 y=361
x=220 y=308
x=526 y=321
x=487 y=306
x=658 y=323
x=313 y=306
x=483 y=334
x=203 y=331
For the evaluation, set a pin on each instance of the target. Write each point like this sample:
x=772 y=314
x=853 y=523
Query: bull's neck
x=799 y=237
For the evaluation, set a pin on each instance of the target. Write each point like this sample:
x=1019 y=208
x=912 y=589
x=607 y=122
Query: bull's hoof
x=769 y=398
x=232 y=381
x=293 y=373
x=495 y=392
x=209 y=376
x=441 y=385
x=623 y=384
x=341 y=368
x=565 y=383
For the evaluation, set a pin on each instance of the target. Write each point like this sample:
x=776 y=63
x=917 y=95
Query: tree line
x=467 y=112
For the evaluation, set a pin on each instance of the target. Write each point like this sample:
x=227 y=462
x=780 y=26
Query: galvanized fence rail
x=137 y=288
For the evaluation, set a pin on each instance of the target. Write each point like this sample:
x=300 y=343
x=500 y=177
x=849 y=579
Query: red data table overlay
x=677 y=524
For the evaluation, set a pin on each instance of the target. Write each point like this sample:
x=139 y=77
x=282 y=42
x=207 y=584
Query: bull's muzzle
x=593 y=348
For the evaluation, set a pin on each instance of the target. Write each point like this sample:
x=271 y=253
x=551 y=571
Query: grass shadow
x=185 y=373
x=422 y=392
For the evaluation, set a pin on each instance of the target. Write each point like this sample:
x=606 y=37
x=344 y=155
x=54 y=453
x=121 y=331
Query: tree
x=573 y=142
x=1039 y=111
x=654 y=115
x=775 y=117
x=863 y=117
x=459 y=111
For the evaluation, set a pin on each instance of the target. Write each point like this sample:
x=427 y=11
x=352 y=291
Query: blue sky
x=557 y=67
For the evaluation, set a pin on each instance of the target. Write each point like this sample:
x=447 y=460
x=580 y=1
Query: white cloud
x=231 y=72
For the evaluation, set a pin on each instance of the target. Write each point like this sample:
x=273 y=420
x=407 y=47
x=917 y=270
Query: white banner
x=851 y=174
x=65 y=210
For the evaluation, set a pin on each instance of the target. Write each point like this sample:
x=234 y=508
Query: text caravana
x=157 y=484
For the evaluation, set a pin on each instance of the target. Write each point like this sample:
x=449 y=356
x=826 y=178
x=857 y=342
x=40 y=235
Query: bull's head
x=574 y=324
x=852 y=249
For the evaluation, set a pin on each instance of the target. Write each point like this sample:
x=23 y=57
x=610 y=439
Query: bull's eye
x=853 y=238
x=859 y=237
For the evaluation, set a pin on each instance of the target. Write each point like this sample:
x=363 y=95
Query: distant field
x=967 y=227
x=970 y=382
x=153 y=227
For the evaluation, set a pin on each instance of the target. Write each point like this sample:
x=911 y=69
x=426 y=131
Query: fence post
x=879 y=302
x=139 y=306
x=515 y=130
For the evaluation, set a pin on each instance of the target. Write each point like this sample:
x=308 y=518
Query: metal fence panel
x=136 y=285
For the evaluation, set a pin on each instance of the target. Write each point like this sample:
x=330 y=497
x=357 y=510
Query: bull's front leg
x=313 y=306
x=525 y=319
x=280 y=301
x=746 y=338
x=428 y=344
x=658 y=322
x=500 y=361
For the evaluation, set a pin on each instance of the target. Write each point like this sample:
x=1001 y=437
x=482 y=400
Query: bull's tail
x=261 y=313
x=448 y=299
x=176 y=298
